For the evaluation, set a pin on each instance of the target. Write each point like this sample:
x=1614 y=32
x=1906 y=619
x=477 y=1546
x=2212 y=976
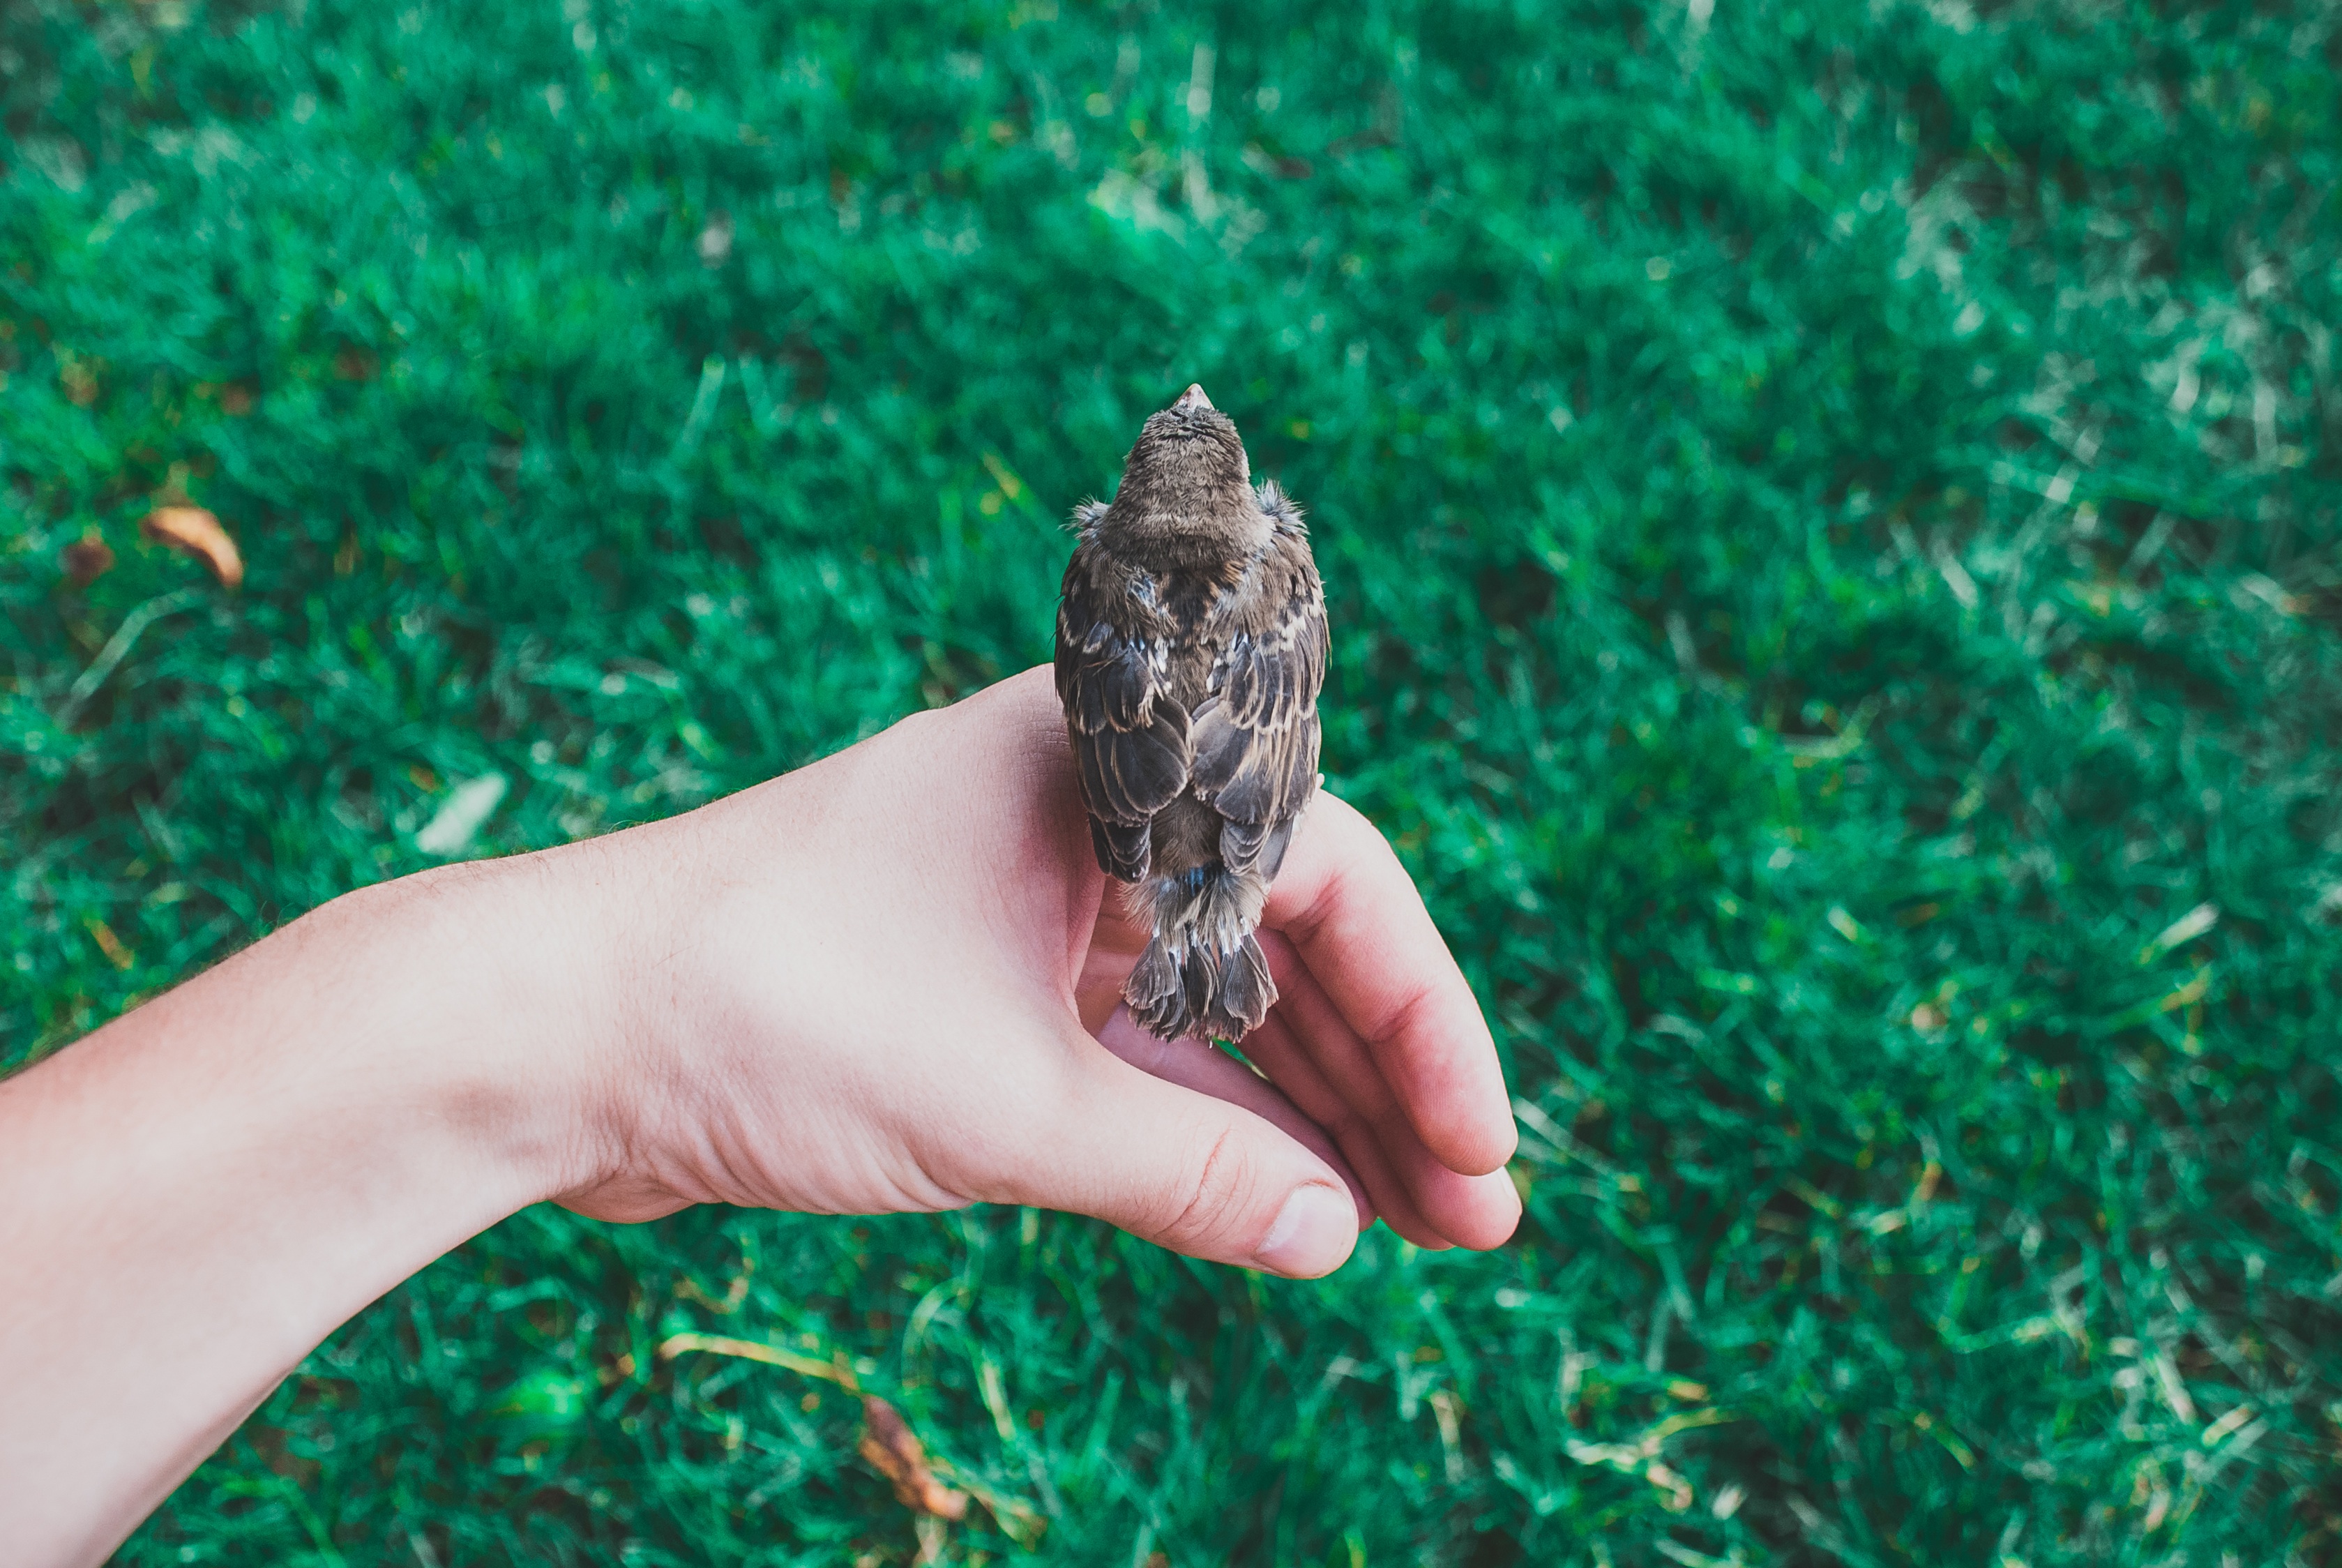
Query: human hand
x=869 y=985
x=890 y=981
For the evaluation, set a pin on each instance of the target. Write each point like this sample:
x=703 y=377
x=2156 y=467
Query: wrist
x=515 y=1038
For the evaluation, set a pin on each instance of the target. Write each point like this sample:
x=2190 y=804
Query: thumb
x=1187 y=1172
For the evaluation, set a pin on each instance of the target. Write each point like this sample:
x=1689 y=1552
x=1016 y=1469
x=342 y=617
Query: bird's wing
x=1129 y=735
x=1256 y=736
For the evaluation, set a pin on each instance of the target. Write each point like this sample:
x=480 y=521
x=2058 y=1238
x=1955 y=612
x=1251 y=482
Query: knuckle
x=1331 y=891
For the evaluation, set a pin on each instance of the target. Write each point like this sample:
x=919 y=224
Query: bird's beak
x=1192 y=397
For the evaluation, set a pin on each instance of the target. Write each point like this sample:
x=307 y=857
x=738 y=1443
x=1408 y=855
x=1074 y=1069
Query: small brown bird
x=1191 y=645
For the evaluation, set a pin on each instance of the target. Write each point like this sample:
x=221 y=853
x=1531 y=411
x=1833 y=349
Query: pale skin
x=887 y=982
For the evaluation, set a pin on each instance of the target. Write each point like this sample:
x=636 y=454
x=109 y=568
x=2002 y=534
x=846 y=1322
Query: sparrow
x=1191 y=646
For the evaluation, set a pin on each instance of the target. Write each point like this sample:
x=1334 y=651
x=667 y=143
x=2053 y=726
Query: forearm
x=194 y=1196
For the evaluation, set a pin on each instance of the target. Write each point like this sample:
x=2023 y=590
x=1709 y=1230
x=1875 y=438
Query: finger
x=1351 y=910
x=1476 y=1211
x=1473 y=1211
x=1187 y=1171
x=1274 y=1050
x=1106 y=966
x=1191 y=1064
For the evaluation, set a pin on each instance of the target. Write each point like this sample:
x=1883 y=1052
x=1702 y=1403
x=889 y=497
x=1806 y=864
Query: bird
x=1191 y=647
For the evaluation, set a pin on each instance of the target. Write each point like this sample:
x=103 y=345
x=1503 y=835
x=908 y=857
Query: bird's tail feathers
x=1204 y=973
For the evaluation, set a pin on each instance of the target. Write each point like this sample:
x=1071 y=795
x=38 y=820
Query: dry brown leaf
x=197 y=533
x=894 y=1451
x=88 y=558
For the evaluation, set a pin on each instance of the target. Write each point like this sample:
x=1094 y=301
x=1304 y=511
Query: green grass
x=1830 y=512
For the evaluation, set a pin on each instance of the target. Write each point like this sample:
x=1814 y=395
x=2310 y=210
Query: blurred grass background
x=1830 y=511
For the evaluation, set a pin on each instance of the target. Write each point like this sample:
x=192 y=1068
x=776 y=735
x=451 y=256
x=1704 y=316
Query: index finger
x=1351 y=910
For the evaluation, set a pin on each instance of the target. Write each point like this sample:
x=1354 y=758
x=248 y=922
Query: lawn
x=1830 y=512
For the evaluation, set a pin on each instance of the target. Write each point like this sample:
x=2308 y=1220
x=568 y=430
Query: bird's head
x=1189 y=456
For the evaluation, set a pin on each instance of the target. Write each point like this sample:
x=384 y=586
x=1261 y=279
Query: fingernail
x=1314 y=1232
